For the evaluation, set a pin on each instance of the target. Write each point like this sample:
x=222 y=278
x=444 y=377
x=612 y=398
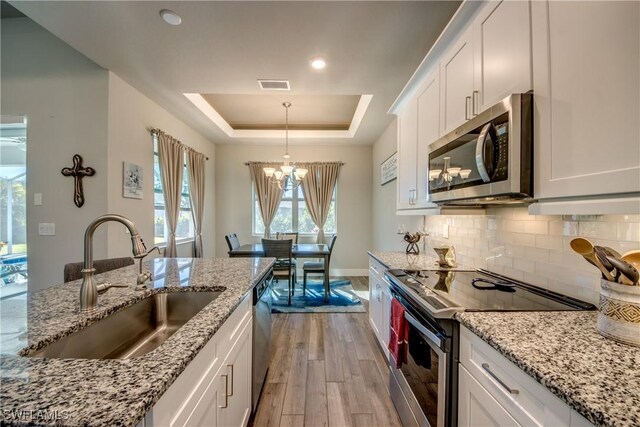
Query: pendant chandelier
x=288 y=176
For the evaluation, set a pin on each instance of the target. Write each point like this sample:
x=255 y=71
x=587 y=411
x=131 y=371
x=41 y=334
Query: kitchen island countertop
x=564 y=352
x=109 y=392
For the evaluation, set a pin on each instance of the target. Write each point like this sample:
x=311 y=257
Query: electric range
x=424 y=388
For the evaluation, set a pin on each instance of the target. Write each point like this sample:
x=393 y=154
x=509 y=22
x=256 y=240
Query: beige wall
x=74 y=106
x=64 y=96
x=385 y=221
x=233 y=197
x=130 y=115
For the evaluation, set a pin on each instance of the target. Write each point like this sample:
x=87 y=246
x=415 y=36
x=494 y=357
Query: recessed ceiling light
x=318 y=63
x=170 y=17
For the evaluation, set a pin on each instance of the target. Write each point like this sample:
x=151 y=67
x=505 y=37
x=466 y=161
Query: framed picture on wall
x=389 y=169
x=131 y=181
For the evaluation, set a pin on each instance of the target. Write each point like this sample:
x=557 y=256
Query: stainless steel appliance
x=261 y=336
x=424 y=390
x=487 y=160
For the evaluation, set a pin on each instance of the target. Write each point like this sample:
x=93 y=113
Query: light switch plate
x=37 y=199
x=445 y=231
x=46 y=229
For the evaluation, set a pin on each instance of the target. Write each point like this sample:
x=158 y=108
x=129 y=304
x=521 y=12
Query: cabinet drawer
x=376 y=268
x=528 y=402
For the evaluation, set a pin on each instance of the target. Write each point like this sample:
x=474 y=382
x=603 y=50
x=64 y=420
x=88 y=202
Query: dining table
x=299 y=250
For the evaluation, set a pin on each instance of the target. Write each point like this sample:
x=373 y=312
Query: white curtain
x=318 y=188
x=268 y=195
x=195 y=169
x=171 y=158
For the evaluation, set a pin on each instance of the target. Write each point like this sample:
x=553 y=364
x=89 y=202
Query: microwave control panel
x=501 y=144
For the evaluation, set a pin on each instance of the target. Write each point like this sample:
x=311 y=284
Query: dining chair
x=73 y=270
x=232 y=241
x=288 y=236
x=293 y=236
x=316 y=267
x=283 y=268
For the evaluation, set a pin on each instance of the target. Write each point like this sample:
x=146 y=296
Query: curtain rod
x=154 y=131
x=306 y=163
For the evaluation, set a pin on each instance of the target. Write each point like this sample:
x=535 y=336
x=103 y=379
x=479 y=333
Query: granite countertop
x=38 y=391
x=403 y=261
x=564 y=352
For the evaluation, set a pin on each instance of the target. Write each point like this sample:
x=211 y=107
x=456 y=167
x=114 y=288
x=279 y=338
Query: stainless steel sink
x=133 y=331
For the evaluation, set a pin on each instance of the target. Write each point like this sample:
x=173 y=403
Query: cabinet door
x=407 y=146
x=237 y=390
x=476 y=407
x=205 y=413
x=375 y=304
x=428 y=132
x=502 y=53
x=385 y=315
x=456 y=82
x=586 y=63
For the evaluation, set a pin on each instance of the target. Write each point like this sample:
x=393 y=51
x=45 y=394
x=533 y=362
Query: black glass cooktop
x=445 y=292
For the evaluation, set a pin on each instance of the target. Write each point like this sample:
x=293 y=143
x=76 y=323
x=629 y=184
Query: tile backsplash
x=535 y=248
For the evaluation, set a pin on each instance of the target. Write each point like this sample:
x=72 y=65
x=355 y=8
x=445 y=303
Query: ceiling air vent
x=274 y=84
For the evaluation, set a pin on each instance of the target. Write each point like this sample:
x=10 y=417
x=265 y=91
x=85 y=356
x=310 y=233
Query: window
x=293 y=215
x=185 y=228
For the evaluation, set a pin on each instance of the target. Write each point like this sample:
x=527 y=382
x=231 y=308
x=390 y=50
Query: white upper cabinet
x=502 y=53
x=418 y=126
x=407 y=153
x=489 y=61
x=457 y=82
x=586 y=58
x=428 y=132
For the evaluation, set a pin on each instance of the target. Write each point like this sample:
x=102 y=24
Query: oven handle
x=427 y=333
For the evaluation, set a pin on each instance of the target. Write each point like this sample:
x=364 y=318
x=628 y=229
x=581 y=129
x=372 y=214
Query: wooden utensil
x=584 y=247
x=613 y=252
x=602 y=255
x=629 y=275
x=632 y=257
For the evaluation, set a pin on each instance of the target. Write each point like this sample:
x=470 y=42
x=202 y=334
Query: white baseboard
x=350 y=272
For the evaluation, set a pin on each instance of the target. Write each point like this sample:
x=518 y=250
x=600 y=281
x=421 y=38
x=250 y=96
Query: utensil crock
x=619 y=312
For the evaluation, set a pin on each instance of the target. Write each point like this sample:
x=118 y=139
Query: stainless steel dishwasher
x=261 y=335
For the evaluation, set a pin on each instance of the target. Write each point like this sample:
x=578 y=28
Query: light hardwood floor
x=326 y=370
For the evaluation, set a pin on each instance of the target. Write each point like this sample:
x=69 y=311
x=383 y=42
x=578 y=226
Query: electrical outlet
x=445 y=231
x=37 y=199
x=46 y=229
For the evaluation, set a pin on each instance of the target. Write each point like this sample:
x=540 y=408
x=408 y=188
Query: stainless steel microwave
x=487 y=160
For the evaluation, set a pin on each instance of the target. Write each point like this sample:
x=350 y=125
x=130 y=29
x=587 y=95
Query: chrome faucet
x=89 y=290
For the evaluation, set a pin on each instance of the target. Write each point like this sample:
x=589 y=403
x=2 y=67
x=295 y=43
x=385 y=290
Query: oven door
x=419 y=387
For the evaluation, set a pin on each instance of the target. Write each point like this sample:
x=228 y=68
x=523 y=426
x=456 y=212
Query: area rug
x=342 y=298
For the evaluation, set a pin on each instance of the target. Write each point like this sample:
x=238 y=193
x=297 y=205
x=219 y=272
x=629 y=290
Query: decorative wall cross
x=78 y=172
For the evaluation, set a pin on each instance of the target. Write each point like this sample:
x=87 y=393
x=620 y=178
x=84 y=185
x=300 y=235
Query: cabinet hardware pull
x=487 y=368
x=475 y=104
x=231 y=381
x=466 y=107
x=226 y=396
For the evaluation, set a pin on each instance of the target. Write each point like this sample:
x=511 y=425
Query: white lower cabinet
x=495 y=392
x=476 y=407
x=234 y=400
x=215 y=388
x=379 y=303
